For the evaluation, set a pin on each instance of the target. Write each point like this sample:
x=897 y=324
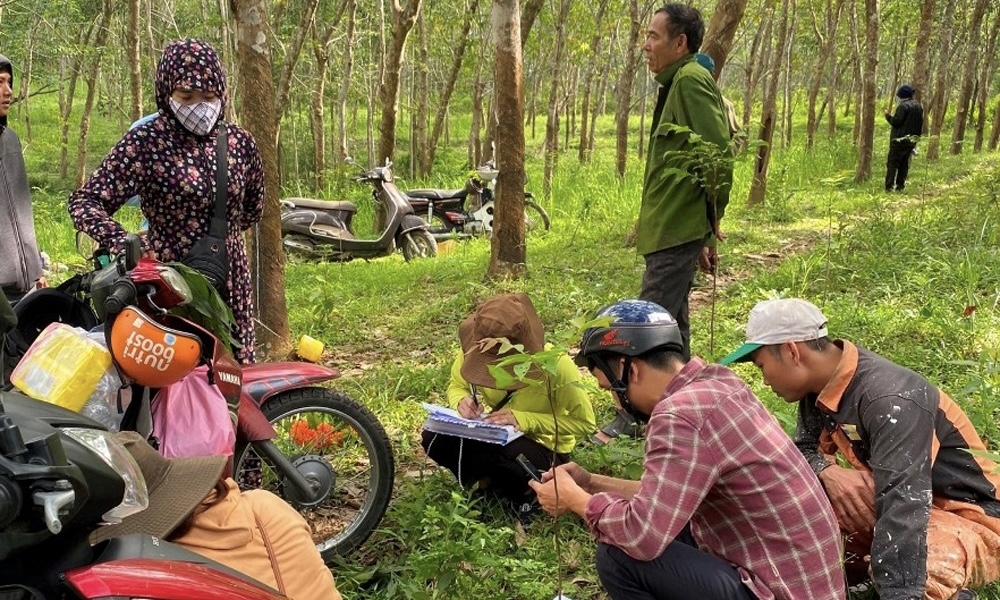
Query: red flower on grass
x=322 y=437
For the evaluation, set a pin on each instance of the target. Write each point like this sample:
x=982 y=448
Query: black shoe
x=623 y=424
x=965 y=595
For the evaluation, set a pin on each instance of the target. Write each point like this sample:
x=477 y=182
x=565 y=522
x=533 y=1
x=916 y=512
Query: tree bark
x=867 y=133
x=403 y=19
x=623 y=104
x=583 y=152
x=769 y=114
x=93 y=70
x=984 y=82
x=528 y=16
x=321 y=51
x=552 y=121
x=757 y=64
x=418 y=136
x=921 y=56
x=345 y=81
x=292 y=57
x=722 y=31
x=939 y=104
x=827 y=44
x=449 y=87
x=507 y=245
x=261 y=120
x=968 y=77
x=134 y=58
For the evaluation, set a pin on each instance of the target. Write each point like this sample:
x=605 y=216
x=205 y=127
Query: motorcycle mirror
x=133 y=251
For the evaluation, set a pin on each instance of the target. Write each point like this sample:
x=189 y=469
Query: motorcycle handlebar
x=123 y=294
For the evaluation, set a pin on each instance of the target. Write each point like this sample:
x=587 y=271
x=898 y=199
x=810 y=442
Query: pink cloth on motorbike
x=191 y=418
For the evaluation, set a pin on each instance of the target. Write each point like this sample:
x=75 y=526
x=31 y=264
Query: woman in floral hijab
x=170 y=163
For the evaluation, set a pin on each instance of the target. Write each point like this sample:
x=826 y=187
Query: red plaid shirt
x=717 y=459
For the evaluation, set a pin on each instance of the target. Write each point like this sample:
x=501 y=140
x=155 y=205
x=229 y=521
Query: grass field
x=913 y=276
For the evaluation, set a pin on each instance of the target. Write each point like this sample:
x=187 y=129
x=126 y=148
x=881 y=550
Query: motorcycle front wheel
x=418 y=243
x=340 y=447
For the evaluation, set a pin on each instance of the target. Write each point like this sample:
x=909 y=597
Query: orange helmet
x=149 y=353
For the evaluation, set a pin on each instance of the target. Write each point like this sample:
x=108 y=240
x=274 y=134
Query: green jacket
x=675 y=210
x=530 y=405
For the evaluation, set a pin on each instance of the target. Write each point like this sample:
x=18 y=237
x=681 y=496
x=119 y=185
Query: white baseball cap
x=778 y=321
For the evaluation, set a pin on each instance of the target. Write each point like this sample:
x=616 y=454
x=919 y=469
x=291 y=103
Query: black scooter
x=321 y=229
x=468 y=211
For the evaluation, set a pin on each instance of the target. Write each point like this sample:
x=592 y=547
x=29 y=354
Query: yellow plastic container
x=309 y=349
x=446 y=247
x=63 y=367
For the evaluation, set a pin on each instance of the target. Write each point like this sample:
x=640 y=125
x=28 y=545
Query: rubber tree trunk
x=93 y=71
x=134 y=58
x=403 y=19
x=939 y=104
x=623 y=98
x=922 y=55
x=866 y=137
x=721 y=32
x=968 y=77
x=507 y=245
x=769 y=113
x=827 y=44
x=267 y=261
x=449 y=86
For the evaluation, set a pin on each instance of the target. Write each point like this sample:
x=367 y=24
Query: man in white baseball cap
x=919 y=498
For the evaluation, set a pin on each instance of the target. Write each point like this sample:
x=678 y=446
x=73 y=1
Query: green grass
x=897 y=274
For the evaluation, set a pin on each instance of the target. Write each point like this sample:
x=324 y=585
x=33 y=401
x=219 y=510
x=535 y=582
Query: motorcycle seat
x=438 y=194
x=343 y=205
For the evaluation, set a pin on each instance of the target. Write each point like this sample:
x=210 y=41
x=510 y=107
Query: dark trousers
x=897 y=164
x=682 y=572
x=668 y=280
x=472 y=460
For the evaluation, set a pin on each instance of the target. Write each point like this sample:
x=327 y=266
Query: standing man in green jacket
x=679 y=218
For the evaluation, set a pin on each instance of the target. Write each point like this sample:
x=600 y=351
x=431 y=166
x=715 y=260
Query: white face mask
x=198 y=118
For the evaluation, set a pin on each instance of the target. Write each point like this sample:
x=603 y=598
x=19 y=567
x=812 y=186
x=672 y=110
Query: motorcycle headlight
x=174 y=279
x=103 y=443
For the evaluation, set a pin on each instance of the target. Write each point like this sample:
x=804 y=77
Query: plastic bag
x=102 y=406
x=62 y=366
x=191 y=418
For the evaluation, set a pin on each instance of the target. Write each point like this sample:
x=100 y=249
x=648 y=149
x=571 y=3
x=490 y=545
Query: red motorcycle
x=60 y=477
x=318 y=449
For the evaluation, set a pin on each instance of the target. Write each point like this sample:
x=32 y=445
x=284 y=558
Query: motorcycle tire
x=337 y=442
x=418 y=243
x=535 y=217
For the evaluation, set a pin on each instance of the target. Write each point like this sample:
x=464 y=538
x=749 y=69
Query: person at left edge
x=20 y=260
x=170 y=163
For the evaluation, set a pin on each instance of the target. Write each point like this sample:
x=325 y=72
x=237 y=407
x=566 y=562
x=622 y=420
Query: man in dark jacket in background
x=20 y=260
x=907 y=125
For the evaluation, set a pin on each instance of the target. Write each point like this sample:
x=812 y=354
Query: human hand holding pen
x=469 y=408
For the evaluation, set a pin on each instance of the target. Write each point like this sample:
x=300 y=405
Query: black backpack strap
x=218 y=227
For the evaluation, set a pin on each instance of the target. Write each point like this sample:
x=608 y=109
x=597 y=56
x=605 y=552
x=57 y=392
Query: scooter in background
x=468 y=211
x=321 y=229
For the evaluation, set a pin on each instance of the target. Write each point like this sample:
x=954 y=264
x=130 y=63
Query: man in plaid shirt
x=727 y=507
